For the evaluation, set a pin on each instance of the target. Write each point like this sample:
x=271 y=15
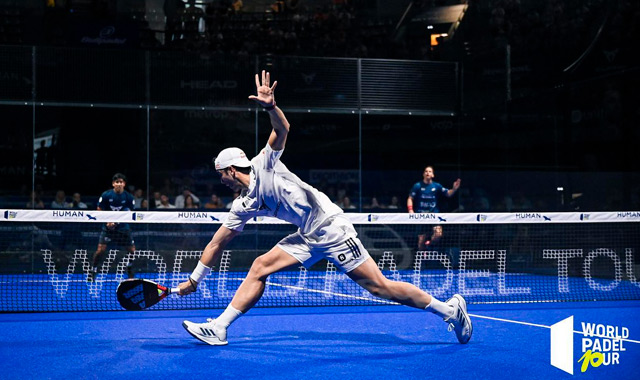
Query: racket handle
x=174 y=290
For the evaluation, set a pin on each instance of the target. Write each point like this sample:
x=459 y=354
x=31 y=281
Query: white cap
x=231 y=156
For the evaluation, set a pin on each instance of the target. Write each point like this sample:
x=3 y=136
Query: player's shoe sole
x=204 y=332
x=460 y=321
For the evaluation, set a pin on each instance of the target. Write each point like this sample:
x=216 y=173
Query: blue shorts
x=121 y=238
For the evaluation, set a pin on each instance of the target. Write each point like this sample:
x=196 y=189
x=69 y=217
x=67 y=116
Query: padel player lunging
x=268 y=188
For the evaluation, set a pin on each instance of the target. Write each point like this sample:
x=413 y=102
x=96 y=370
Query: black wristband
x=271 y=107
x=194 y=285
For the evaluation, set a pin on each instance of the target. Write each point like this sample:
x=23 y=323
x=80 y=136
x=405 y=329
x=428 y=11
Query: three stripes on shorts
x=355 y=250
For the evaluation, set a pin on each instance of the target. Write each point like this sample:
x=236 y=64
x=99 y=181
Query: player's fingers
x=253 y=97
x=268 y=81
x=257 y=81
x=274 y=86
x=264 y=76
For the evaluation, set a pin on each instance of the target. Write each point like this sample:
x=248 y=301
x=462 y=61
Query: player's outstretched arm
x=211 y=252
x=456 y=186
x=266 y=98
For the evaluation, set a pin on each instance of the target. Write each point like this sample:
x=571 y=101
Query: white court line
x=473 y=315
x=333 y=294
x=548 y=327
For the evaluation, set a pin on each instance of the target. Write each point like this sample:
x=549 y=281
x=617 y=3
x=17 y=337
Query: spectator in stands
x=35 y=202
x=395 y=203
x=237 y=6
x=138 y=196
x=157 y=199
x=346 y=204
x=60 y=201
x=425 y=196
x=179 y=202
x=164 y=202
x=77 y=202
x=375 y=204
x=214 y=202
x=189 y=203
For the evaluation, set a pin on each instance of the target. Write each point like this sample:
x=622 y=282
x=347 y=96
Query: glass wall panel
x=323 y=150
x=16 y=72
x=397 y=148
x=17 y=156
x=183 y=144
x=85 y=148
x=90 y=76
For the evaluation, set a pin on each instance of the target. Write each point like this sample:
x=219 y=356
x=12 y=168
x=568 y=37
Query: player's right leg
x=214 y=331
x=91 y=276
x=454 y=311
x=422 y=242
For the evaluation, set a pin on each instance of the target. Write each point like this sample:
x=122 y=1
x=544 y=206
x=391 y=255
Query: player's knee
x=259 y=268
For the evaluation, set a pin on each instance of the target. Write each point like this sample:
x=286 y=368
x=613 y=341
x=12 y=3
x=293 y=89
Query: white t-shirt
x=276 y=192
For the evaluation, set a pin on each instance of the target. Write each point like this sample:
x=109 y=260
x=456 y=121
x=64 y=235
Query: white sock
x=439 y=308
x=227 y=317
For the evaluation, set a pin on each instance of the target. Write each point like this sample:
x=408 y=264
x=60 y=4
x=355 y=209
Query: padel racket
x=140 y=294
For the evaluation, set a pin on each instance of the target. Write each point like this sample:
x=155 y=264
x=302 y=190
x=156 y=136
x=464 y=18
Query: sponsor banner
x=203 y=217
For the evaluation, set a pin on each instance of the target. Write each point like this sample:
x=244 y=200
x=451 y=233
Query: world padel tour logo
x=372 y=217
x=481 y=217
x=10 y=214
x=601 y=345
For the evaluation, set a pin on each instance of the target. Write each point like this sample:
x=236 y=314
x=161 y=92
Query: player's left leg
x=214 y=332
x=130 y=272
x=369 y=276
x=454 y=311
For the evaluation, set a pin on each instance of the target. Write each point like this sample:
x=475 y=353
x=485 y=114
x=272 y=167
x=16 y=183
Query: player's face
x=428 y=175
x=228 y=178
x=118 y=185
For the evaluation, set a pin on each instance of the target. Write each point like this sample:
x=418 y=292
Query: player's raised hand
x=265 y=91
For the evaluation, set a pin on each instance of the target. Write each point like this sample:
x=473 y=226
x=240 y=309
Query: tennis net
x=46 y=256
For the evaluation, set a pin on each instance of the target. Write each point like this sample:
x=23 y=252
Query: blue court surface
x=510 y=341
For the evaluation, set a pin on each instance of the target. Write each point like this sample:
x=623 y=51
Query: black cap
x=118 y=176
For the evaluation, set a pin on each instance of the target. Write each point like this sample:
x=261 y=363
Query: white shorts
x=336 y=240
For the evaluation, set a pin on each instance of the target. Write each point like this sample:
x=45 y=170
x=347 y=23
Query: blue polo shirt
x=426 y=196
x=112 y=201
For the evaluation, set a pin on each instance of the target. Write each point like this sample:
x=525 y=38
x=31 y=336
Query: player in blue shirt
x=116 y=199
x=424 y=197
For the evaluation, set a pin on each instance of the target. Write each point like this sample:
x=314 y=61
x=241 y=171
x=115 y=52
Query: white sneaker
x=207 y=332
x=460 y=321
